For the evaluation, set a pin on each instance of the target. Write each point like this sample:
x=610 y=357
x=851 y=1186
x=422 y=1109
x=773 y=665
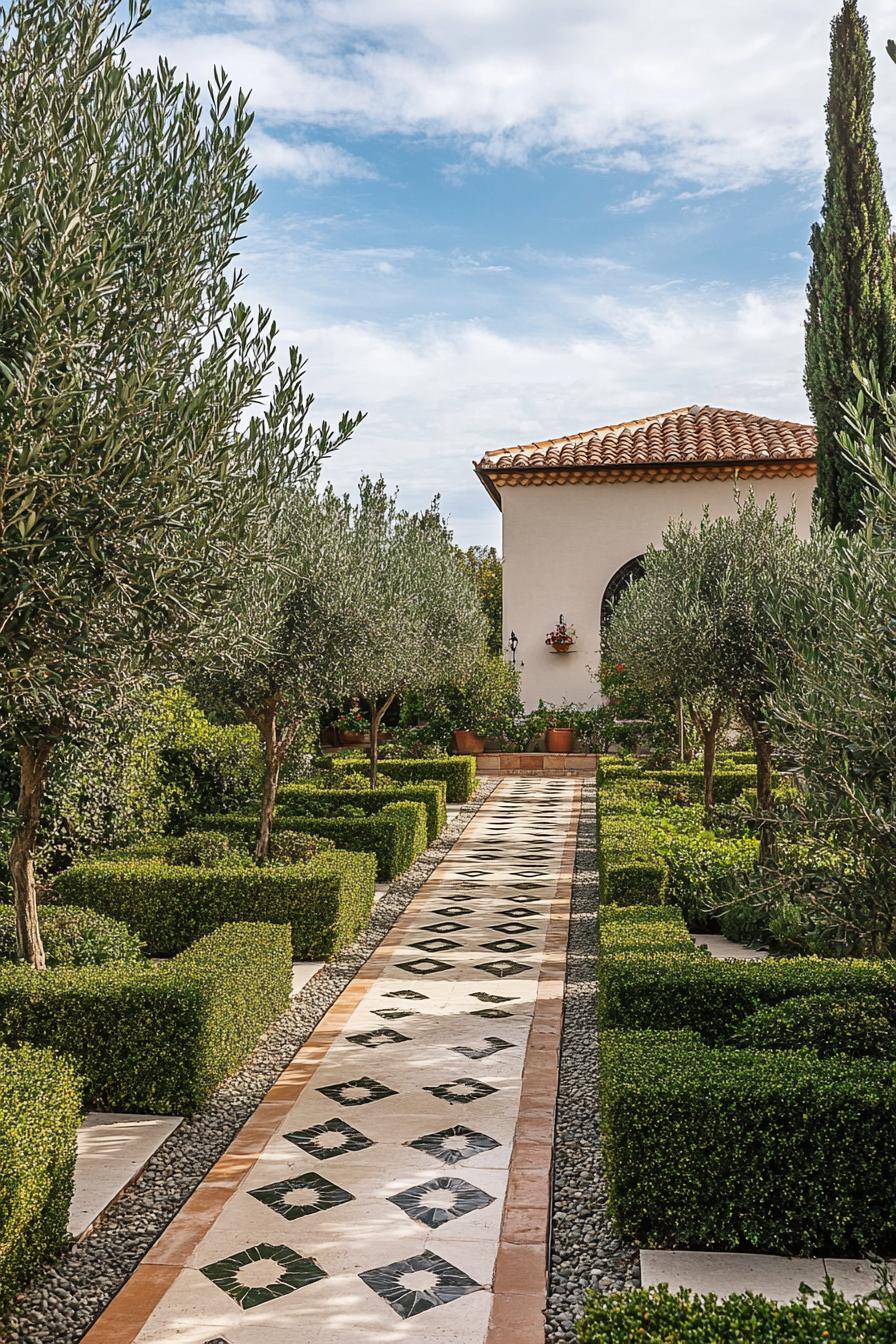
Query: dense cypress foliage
x=851 y=313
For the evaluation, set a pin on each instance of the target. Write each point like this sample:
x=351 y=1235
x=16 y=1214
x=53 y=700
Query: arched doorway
x=626 y=574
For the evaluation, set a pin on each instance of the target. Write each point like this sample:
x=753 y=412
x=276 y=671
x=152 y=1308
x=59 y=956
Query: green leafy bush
x=296 y=846
x=149 y=1037
x=728 y=782
x=657 y=1316
x=726 y=1148
x=73 y=937
x=302 y=799
x=201 y=849
x=325 y=902
x=458 y=772
x=642 y=928
x=856 y=1027
x=40 y=1110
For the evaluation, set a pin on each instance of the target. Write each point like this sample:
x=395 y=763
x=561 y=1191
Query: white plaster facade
x=563 y=542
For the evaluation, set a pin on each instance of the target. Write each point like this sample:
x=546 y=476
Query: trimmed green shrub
x=395 y=834
x=297 y=846
x=155 y=1038
x=40 y=1110
x=727 y=782
x=311 y=800
x=861 y=1028
x=200 y=848
x=657 y=1316
x=642 y=928
x=458 y=773
x=663 y=990
x=725 y=1148
x=325 y=902
x=73 y=937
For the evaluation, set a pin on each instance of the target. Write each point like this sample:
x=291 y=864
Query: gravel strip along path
x=61 y=1304
x=586 y=1252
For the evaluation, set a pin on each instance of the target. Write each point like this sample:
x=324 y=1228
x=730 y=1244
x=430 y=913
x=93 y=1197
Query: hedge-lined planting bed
x=40 y=1110
x=311 y=799
x=657 y=1316
x=395 y=835
x=721 y=1148
x=457 y=772
x=325 y=901
x=155 y=1038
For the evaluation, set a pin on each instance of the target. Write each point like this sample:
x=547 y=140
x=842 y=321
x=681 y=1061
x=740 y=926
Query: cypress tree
x=852 y=311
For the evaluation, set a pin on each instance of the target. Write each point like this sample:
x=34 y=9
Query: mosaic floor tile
x=490 y=1012
x=513 y=926
x=490 y=1046
x=357 y=1092
x=454 y=1145
x=405 y=994
x=372 y=1040
x=423 y=966
x=501 y=969
x=448 y=926
x=329 y=1139
x=393 y=1014
x=436 y=945
x=420 y=1283
x=493 y=998
x=442 y=1200
x=507 y=945
x=463 y=1090
x=301 y=1195
x=296 y=1271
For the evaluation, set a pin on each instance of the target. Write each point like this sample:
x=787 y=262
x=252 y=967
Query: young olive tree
x=663 y=629
x=833 y=700
x=293 y=631
x=422 y=620
x=135 y=444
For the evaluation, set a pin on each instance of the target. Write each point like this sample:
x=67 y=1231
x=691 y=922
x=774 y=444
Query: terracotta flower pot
x=562 y=646
x=347 y=739
x=466 y=743
x=558 y=739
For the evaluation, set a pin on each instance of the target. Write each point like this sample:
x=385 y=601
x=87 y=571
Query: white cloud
x=314 y=162
x=440 y=393
x=713 y=94
x=636 y=203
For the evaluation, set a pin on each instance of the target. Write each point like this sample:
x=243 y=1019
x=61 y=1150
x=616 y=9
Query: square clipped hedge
x=728 y=781
x=40 y=1110
x=723 y=1148
x=642 y=928
x=395 y=835
x=325 y=902
x=155 y=1038
x=631 y=871
x=294 y=799
x=658 y=1316
x=457 y=772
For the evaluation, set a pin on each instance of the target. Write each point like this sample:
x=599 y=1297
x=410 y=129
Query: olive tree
x=421 y=617
x=136 y=435
x=663 y=629
x=289 y=643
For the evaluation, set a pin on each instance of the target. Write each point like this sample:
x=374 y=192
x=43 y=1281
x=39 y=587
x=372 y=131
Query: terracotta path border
x=521 y=1267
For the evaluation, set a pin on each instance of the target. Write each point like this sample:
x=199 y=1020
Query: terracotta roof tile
x=691 y=434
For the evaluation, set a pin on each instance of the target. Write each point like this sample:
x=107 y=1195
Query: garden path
x=395 y=1182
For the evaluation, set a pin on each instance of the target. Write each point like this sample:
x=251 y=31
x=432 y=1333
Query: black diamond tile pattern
x=491 y=1046
x=451 y=911
x=454 y=1145
x=423 y=966
x=405 y=994
x=436 y=945
x=508 y=945
x=441 y=1201
x=514 y=926
x=501 y=969
x=357 y=1091
x=490 y=1012
x=393 y=1014
x=315 y=1193
x=448 y=926
x=406 y=1301
x=463 y=1090
x=296 y=1272
x=330 y=1139
x=492 y=998
x=374 y=1039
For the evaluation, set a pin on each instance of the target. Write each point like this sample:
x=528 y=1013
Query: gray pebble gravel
x=63 y=1301
x=586 y=1252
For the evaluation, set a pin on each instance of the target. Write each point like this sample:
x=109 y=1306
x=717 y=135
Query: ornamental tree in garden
x=852 y=310
x=136 y=448
x=488 y=575
x=662 y=630
x=422 y=621
x=288 y=646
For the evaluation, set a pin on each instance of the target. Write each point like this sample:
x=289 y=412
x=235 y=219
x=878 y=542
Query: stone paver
x=774 y=1276
x=395 y=1182
x=113 y=1148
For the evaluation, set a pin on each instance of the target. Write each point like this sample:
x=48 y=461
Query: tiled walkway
x=395 y=1182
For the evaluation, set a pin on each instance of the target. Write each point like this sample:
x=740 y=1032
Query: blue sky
x=490 y=221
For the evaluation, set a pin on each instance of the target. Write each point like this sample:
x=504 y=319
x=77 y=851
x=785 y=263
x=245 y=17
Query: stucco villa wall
x=563 y=544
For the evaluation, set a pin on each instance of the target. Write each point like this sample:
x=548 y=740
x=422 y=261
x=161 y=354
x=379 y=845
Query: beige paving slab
x=774 y=1276
x=113 y=1148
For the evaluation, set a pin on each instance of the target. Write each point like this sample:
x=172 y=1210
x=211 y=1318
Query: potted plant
x=467 y=743
x=562 y=637
x=558 y=736
x=487 y=705
x=352 y=728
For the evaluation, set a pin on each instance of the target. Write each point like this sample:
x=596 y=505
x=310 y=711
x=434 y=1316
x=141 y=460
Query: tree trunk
x=376 y=717
x=710 y=737
x=274 y=747
x=32 y=773
x=764 y=793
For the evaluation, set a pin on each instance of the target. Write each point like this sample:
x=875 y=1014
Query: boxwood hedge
x=40 y=1110
x=155 y=1038
x=717 y=1147
x=325 y=901
x=657 y=1316
x=458 y=772
x=395 y=834
x=311 y=799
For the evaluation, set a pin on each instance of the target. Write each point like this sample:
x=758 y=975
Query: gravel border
x=586 y=1252
x=60 y=1305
